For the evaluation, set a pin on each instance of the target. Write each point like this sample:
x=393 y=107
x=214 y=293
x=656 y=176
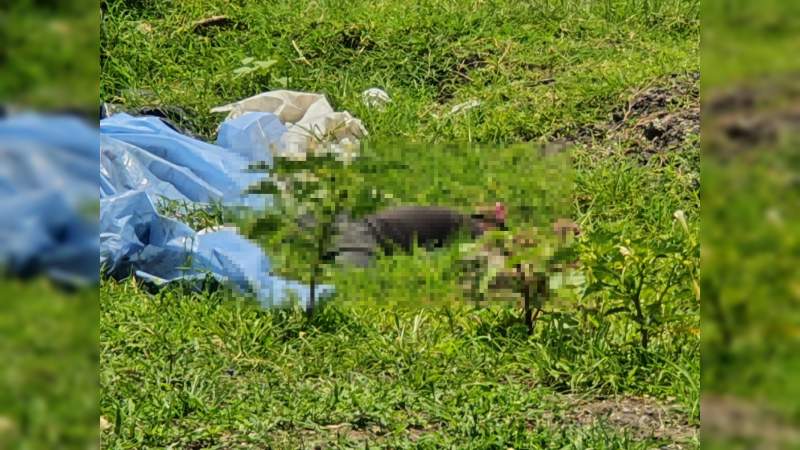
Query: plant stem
x=527 y=295
x=528 y=315
x=535 y=319
x=637 y=303
x=312 y=294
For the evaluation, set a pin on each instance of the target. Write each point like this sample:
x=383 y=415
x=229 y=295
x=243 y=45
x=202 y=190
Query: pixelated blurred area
x=49 y=51
x=750 y=169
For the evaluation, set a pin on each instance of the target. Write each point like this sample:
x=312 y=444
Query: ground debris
x=641 y=417
x=751 y=115
x=660 y=118
x=219 y=21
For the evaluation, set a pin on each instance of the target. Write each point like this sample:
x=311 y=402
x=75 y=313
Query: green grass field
x=399 y=359
x=749 y=316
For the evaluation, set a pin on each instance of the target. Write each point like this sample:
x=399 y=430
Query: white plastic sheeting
x=309 y=118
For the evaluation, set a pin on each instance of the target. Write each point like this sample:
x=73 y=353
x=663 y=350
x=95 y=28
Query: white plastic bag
x=309 y=119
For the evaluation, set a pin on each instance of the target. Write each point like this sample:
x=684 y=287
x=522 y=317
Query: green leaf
x=267 y=224
x=241 y=71
x=265 y=64
x=592 y=288
x=264 y=187
x=248 y=60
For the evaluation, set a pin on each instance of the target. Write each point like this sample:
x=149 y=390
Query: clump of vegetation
x=528 y=264
x=639 y=274
x=309 y=193
x=197 y=216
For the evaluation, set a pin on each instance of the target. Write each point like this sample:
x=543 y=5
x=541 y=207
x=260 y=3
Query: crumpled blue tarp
x=48 y=183
x=142 y=159
x=136 y=239
x=144 y=153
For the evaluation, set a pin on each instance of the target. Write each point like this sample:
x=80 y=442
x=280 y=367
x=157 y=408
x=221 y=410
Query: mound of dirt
x=753 y=115
x=657 y=119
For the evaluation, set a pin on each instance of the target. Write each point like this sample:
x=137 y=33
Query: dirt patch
x=753 y=115
x=449 y=78
x=640 y=417
x=656 y=119
x=652 y=126
x=356 y=37
x=363 y=434
x=731 y=418
x=659 y=118
x=324 y=437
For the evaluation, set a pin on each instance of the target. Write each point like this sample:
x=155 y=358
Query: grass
x=428 y=56
x=46 y=331
x=210 y=370
x=207 y=367
x=753 y=281
x=44 y=38
x=743 y=41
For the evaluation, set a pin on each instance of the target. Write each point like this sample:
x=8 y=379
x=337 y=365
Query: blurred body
x=400 y=228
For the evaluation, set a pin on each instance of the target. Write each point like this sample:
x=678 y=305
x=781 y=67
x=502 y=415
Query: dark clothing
x=399 y=228
x=429 y=226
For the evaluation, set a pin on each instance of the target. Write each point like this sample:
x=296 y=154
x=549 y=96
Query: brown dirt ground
x=664 y=117
x=731 y=418
x=752 y=115
x=640 y=417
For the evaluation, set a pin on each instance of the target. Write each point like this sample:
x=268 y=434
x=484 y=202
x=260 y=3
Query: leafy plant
x=251 y=65
x=310 y=192
x=530 y=264
x=638 y=274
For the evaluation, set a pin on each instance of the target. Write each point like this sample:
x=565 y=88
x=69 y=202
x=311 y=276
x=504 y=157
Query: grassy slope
x=210 y=370
x=421 y=52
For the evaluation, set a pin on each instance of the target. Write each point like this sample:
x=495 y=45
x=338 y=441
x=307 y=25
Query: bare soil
x=664 y=117
x=640 y=417
x=731 y=418
x=753 y=115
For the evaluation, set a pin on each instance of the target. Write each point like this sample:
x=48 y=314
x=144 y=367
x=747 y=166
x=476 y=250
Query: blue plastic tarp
x=144 y=153
x=143 y=159
x=135 y=239
x=48 y=183
x=253 y=135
